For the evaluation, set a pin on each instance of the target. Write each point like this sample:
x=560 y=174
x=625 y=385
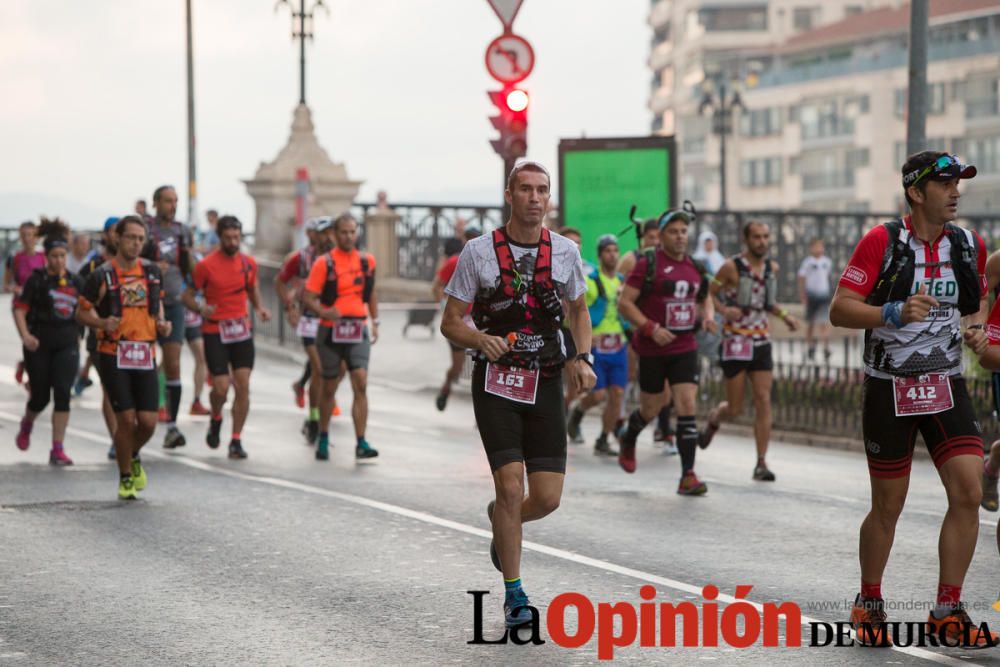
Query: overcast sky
x=94 y=95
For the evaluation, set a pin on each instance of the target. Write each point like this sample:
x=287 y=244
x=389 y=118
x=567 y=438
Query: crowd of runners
x=550 y=338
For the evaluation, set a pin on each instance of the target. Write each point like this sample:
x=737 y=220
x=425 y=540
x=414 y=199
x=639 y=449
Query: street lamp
x=301 y=32
x=722 y=113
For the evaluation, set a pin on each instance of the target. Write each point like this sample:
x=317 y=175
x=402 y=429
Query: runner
x=341 y=288
x=289 y=283
x=609 y=348
x=991 y=464
x=745 y=291
x=196 y=344
x=44 y=312
x=170 y=247
x=121 y=300
x=227 y=279
x=677 y=296
x=516 y=279
x=20 y=265
x=108 y=249
x=569 y=389
x=908 y=284
x=814 y=293
x=664 y=432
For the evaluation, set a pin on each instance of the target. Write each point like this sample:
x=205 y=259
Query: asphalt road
x=281 y=559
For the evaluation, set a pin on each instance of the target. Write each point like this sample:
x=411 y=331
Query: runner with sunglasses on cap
x=908 y=285
x=227 y=279
x=665 y=314
x=745 y=291
x=609 y=347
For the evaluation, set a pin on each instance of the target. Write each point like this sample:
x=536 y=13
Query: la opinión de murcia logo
x=739 y=624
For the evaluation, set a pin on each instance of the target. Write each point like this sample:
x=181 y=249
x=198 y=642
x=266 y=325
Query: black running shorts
x=761 y=361
x=673 y=369
x=220 y=356
x=518 y=432
x=889 y=440
x=128 y=389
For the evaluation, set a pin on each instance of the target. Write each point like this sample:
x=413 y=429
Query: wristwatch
x=586 y=357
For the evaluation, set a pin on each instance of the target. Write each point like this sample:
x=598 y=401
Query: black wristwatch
x=586 y=357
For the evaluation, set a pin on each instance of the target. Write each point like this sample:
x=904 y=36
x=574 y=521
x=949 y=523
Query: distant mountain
x=16 y=207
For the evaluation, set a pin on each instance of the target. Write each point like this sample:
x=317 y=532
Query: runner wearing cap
x=908 y=284
x=609 y=347
x=666 y=312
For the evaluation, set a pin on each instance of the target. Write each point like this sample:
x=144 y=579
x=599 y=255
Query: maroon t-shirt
x=672 y=303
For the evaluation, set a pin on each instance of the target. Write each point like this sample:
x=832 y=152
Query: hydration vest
x=895 y=278
x=151 y=274
x=182 y=262
x=531 y=311
x=328 y=296
x=599 y=308
x=747 y=279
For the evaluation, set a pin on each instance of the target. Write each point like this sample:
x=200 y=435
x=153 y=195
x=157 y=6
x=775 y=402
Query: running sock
x=306 y=374
x=27 y=425
x=635 y=425
x=869 y=591
x=511 y=585
x=173 y=401
x=361 y=440
x=236 y=436
x=314 y=414
x=161 y=382
x=687 y=442
x=56 y=445
x=948 y=598
x=663 y=419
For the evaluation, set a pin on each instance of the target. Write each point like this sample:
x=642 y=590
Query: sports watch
x=586 y=357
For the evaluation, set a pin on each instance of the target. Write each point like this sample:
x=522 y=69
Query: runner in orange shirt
x=340 y=288
x=227 y=279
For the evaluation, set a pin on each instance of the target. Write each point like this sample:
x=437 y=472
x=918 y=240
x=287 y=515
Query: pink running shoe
x=23 y=438
x=57 y=457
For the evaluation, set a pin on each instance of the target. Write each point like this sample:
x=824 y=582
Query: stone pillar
x=273 y=188
x=381 y=241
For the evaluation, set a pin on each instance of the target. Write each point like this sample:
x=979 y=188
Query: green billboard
x=600 y=180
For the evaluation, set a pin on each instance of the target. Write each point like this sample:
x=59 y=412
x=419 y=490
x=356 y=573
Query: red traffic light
x=511 y=121
x=517 y=100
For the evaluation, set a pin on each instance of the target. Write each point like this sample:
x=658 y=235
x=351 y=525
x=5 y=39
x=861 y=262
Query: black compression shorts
x=889 y=440
x=673 y=368
x=220 y=356
x=518 y=432
x=128 y=389
x=762 y=361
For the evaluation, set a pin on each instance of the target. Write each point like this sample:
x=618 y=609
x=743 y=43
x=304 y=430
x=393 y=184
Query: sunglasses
x=941 y=164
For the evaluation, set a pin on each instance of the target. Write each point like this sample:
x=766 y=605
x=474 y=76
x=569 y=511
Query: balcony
x=824 y=181
x=988 y=107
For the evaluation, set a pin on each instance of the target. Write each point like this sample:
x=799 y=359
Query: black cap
x=935 y=166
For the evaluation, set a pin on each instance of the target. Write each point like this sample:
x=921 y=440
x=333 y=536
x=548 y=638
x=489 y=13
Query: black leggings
x=51 y=371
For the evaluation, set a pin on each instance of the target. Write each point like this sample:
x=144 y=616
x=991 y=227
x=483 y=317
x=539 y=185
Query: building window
x=760 y=173
x=853 y=10
x=982 y=97
x=820 y=120
x=804 y=18
x=984 y=152
x=744 y=19
x=932 y=144
x=935 y=99
x=761 y=122
x=830 y=170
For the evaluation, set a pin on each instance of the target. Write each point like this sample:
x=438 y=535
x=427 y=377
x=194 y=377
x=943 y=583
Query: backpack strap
x=367 y=284
x=329 y=295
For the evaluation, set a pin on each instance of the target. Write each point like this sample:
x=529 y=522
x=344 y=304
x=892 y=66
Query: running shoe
x=670 y=448
x=960 y=630
x=23 y=438
x=300 y=394
x=174 y=439
x=310 y=431
x=336 y=410
x=690 y=485
x=626 y=457
x=441 y=402
x=323 y=448
x=365 y=451
x=660 y=435
x=19 y=373
x=212 y=437
x=162 y=416
x=138 y=475
x=991 y=499
x=868 y=620
x=198 y=409
x=112 y=453
x=573 y=426
x=236 y=450
x=494 y=556
x=126 y=489
x=762 y=473
x=515 y=608
x=57 y=457
x=81 y=384
x=603 y=448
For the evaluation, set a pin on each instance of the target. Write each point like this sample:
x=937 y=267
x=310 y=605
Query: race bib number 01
x=234 y=331
x=512 y=383
x=680 y=316
x=191 y=318
x=348 y=331
x=135 y=356
x=308 y=326
x=737 y=348
x=922 y=395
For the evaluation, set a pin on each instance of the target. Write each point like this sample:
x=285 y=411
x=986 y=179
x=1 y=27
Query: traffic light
x=512 y=122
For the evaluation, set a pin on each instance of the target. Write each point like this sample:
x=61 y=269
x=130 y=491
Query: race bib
x=680 y=316
x=512 y=383
x=308 y=326
x=135 y=356
x=234 y=331
x=609 y=343
x=191 y=318
x=348 y=331
x=737 y=348
x=922 y=395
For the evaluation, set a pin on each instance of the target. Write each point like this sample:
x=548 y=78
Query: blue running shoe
x=515 y=608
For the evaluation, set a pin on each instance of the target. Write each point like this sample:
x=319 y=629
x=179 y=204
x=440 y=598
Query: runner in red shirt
x=228 y=279
x=452 y=248
x=908 y=284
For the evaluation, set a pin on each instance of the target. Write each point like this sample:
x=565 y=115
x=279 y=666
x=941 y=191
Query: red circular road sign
x=509 y=58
